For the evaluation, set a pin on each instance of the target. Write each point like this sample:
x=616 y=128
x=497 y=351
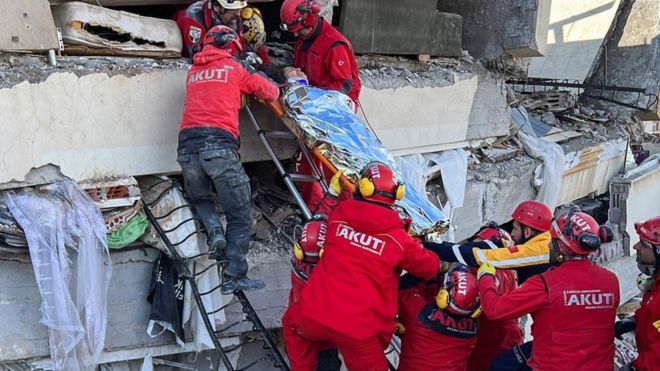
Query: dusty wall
x=494 y=190
x=631 y=56
x=128 y=310
x=575 y=33
x=95 y=125
x=489 y=31
x=405 y=124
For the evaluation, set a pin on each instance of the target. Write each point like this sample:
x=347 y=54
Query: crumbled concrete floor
x=384 y=72
x=15 y=69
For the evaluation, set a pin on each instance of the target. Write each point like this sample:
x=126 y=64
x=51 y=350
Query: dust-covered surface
x=15 y=69
x=385 y=72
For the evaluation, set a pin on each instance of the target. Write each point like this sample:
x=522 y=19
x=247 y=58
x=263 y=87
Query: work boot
x=231 y=285
x=217 y=243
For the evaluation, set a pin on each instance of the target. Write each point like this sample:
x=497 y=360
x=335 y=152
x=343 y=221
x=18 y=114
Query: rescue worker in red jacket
x=201 y=15
x=495 y=337
x=327 y=58
x=246 y=21
x=440 y=334
x=572 y=305
x=646 y=321
x=307 y=252
x=350 y=300
x=208 y=149
x=321 y=51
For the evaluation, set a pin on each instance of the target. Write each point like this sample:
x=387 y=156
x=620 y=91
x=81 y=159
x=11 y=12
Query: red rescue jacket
x=573 y=307
x=433 y=340
x=328 y=60
x=354 y=286
x=196 y=20
x=193 y=23
x=213 y=90
x=647 y=330
x=496 y=337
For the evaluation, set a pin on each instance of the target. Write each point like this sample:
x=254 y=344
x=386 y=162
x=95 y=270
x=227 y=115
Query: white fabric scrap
x=148 y=363
x=549 y=178
x=417 y=168
x=191 y=317
x=57 y=221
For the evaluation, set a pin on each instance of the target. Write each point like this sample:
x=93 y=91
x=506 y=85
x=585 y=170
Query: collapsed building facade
x=106 y=113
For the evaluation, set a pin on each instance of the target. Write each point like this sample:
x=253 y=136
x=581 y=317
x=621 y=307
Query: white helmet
x=232 y=4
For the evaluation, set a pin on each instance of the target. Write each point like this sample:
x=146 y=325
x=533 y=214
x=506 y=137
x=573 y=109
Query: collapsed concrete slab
x=515 y=27
x=575 y=33
x=630 y=55
x=402 y=103
x=27 y=27
x=106 y=116
x=494 y=190
x=108 y=120
x=93 y=30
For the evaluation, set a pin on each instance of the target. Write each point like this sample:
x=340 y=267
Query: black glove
x=625 y=325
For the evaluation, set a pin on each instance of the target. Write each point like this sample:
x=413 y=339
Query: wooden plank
x=563 y=136
x=27 y=26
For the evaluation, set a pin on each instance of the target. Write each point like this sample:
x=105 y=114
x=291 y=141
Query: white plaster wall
x=643 y=200
x=575 y=33
x=413 y=120
x=92 y=125
x=96 y=125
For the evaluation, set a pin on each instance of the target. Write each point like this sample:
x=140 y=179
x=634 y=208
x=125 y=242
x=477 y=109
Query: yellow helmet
x=254 y=30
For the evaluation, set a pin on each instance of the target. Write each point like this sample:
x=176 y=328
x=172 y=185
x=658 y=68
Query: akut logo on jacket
x=362 y=240
x=210 y=75
x=588 y=299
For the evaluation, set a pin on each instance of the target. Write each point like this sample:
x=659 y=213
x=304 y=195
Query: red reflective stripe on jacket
x=354 y=286
x=647 y=334
x=329 y=62
x=423 y=349
x=214 y=86
x=573 y=308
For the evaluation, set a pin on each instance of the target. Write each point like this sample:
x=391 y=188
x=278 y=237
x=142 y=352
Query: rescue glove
x=625 y=325
x=335 y=183
x=486 y=269
x=253 y=59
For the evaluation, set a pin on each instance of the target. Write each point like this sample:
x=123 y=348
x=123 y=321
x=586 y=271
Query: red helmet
x=311 y=241
x=534 y=214
x=580 y=232
x=460 y=292
x=378 y=183
x=649 y=230
x=297 y=14
x=493 y=233
x=224 y=37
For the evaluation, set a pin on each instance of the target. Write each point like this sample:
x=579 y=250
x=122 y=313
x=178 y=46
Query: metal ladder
x=289 y=180
x=239 y=299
